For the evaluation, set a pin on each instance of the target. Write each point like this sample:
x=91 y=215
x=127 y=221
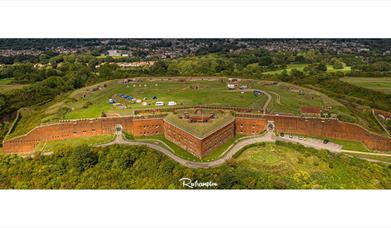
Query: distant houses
x=235 y=83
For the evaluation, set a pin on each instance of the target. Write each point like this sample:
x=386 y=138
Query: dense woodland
x=122 y=167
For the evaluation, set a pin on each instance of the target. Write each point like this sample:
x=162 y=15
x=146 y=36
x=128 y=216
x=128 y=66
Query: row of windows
x=150 y=132
x=155 y=126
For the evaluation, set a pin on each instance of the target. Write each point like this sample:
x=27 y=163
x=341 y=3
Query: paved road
x=268 y=137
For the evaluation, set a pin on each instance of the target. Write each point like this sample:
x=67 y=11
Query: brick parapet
x=246 y=124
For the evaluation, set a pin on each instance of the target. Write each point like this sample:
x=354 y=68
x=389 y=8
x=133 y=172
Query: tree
x=83 y=158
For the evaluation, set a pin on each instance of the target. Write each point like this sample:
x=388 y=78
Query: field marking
x=381 y=124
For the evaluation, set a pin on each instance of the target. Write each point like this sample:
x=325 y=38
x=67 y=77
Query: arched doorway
x=270 y=125
x=118 y=129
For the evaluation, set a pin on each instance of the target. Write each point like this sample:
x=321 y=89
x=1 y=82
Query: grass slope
x=58 y=145
x=382 y=84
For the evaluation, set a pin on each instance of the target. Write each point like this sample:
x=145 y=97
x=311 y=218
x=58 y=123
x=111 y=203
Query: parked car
x=171 y=103
x=159 y=103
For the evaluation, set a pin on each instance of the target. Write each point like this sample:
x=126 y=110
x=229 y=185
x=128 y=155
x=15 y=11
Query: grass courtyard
x=92 y=101
x=381 y=84
x=87 y=103
x=91 y=104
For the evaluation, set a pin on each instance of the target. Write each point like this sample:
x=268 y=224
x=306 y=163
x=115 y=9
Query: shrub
x=83 y=158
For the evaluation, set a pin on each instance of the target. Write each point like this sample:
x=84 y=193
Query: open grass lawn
x=309 y=168
x=86 y=103
x=92 y=104
x=288 y=98
x=57 y=145
x=300 y=67
x=381 y=84
x=351 y=145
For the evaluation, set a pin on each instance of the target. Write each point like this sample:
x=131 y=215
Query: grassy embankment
x=381 y=84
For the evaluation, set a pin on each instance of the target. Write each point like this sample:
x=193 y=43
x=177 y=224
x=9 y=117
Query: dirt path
x=269 y=99
x=278 y=97
x=365 y=153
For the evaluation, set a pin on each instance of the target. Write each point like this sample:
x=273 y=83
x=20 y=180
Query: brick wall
x=147 y=127
x=199 y=146
x=217 y=138
x=183 y=139
x=246 y=125
x=65 y=130
x=250 y=126
x=328 y=128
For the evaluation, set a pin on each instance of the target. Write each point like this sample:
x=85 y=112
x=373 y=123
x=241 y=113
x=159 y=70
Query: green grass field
x=301 y=67
x=382 y=84
x=58 y=145
x=87 y=103
x=351 y=145
x=92 y=104
x=288 y=98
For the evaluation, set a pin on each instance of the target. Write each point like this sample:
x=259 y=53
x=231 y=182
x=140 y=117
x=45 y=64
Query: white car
x=171 y=103
x=159 y=103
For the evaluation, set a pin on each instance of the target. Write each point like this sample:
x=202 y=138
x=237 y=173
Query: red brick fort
x=243 y=123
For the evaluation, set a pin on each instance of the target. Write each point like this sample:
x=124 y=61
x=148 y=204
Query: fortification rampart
x=65 y=130
x=217 y=138
x=246 y=124
x=183 y=139
x=328 y=128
